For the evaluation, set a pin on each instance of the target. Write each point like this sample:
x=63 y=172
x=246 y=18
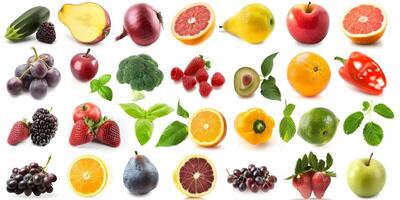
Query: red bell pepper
x=363 y=72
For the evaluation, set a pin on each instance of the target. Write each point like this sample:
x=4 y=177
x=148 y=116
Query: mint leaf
x=133 y=110
x=352 y=122
x=94 y=85
x=104 y=79
x=366 y=105
x=174 y=134
x=269 y=89
x=180 y=111
x=267 y=64
x=143 y=130
x=289 y=110
x=158 y=110
x=287 y=128
x=105 y=92
x=384 y=111
x=373 y=133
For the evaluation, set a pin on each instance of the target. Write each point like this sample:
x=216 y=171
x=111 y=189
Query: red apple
x=84 y=66
x=87 y=110
x=308 y=23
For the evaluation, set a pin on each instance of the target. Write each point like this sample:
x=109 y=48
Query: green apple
x=366 y=177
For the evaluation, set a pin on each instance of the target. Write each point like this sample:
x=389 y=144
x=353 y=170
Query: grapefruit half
x=194 y=23
x=195 y=176
x=365 y=23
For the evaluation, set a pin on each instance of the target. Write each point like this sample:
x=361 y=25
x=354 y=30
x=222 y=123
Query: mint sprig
x=287 y=127
x=372 y=132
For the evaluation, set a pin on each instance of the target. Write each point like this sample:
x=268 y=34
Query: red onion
x=142 y=23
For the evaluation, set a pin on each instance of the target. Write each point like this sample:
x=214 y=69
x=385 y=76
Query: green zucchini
x=27 y=24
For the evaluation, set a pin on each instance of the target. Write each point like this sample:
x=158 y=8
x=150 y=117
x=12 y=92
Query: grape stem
x=228 y=172
x=47 y=163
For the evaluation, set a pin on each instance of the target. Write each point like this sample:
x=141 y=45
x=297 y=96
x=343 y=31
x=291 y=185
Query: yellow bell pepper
x=254 y=125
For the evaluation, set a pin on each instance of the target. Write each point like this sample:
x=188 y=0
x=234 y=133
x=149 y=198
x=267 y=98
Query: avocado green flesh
x=246 y=90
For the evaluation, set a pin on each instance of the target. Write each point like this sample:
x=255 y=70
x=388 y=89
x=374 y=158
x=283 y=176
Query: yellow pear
x=253 y=23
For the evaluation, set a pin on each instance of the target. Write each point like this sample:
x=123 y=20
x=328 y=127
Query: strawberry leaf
x=329 y=161
x=331 y=174
x=313 y=160
x=321 y=165
x=299 y=166
x=304 y=162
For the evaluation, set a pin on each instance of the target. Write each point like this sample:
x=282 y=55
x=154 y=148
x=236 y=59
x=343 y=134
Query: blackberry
x=46 y=33
x=43 y=127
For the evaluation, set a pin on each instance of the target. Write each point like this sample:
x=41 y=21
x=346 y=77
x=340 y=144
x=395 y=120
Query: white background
x=227 y=54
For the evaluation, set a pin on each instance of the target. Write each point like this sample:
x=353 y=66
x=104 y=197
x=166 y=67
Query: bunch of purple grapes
x=31 y=178
x=253 y=178
x=35 y=77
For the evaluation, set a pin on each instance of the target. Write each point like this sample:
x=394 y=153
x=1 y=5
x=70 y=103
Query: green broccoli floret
x=141 y=72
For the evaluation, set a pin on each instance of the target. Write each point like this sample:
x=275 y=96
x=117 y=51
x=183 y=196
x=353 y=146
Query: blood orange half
x=195 y=176
x=365 y=23
x=194 y=24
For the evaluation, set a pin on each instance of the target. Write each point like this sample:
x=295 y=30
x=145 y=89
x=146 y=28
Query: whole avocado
x=140 y=175
x=141 y=72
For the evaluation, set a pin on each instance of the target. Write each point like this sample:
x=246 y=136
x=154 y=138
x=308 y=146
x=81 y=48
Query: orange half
x=207 y=127
x=87 y=175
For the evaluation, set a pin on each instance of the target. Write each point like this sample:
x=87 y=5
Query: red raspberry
x=188 y=82
x=201 y=75
x=205 y=89
x=176 y=74
x=217 y=80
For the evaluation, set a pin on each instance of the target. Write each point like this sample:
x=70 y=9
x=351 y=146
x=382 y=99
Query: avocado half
x=246 y=81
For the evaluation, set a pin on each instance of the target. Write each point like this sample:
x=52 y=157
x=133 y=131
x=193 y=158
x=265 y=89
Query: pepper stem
x=259 y=126
x=342 y=60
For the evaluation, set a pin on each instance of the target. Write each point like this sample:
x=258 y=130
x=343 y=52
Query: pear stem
x=370 y=158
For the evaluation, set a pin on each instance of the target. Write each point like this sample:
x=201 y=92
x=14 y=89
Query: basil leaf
x=287 y=128
x=173 y=135
x=143 y=130
x=158 y=110
x=105 y=92
x=104 y=79
x=365 y=105
x=269 y=89
x=352 y=122
x=384 y=111
x=373 y=134
x=94 y=85
x=267 y=64
x=133 y=110
x=180 y=111
x=289 y=110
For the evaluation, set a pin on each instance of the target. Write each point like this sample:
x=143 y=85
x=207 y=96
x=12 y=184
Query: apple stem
x=87 y=52
x=370 y=158
x=36 y=54
x=136 y=153
x=308 y=9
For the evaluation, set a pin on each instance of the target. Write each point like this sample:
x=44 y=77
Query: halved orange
x=365 y=23
x=207 y=127
x=194 y=23
x=87 y=175
x=195 y=176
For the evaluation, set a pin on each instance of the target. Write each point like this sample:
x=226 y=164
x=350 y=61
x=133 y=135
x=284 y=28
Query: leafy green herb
x=269 y=89
x=287 y=127
x=158 y=110
x=180 y=111
x=310 y=162
x=173 y=135
x=372 y=132
x=144 y=130
x=99 y=86
x=133 y=110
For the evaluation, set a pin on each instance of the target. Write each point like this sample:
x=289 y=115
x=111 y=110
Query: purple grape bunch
x=35 y=76
x=252 y=178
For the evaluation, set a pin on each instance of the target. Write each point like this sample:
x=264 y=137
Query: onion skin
x=142 y=23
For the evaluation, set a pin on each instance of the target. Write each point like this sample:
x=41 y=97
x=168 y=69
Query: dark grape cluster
x=253 y=178
x=43 y=127
x=35 y=77
x=31 y=178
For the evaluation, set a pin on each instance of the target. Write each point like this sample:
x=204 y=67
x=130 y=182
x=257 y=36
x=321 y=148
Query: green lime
x=318 y=126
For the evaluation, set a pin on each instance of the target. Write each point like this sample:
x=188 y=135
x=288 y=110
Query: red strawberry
x=81 y=132
x=320 y=182
x=196 y=64
x=188 y=82
x=302 y=183
x=201 y=75
x=217 y=80
x=176 y=74
x=19 y=132
x=205 y=89
x=108 y=134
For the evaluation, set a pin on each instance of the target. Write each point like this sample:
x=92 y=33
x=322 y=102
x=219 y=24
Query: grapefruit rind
x=180 y=187
x=370 y=37
x=102 y=164
x=221 y=135
x=200 y=37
